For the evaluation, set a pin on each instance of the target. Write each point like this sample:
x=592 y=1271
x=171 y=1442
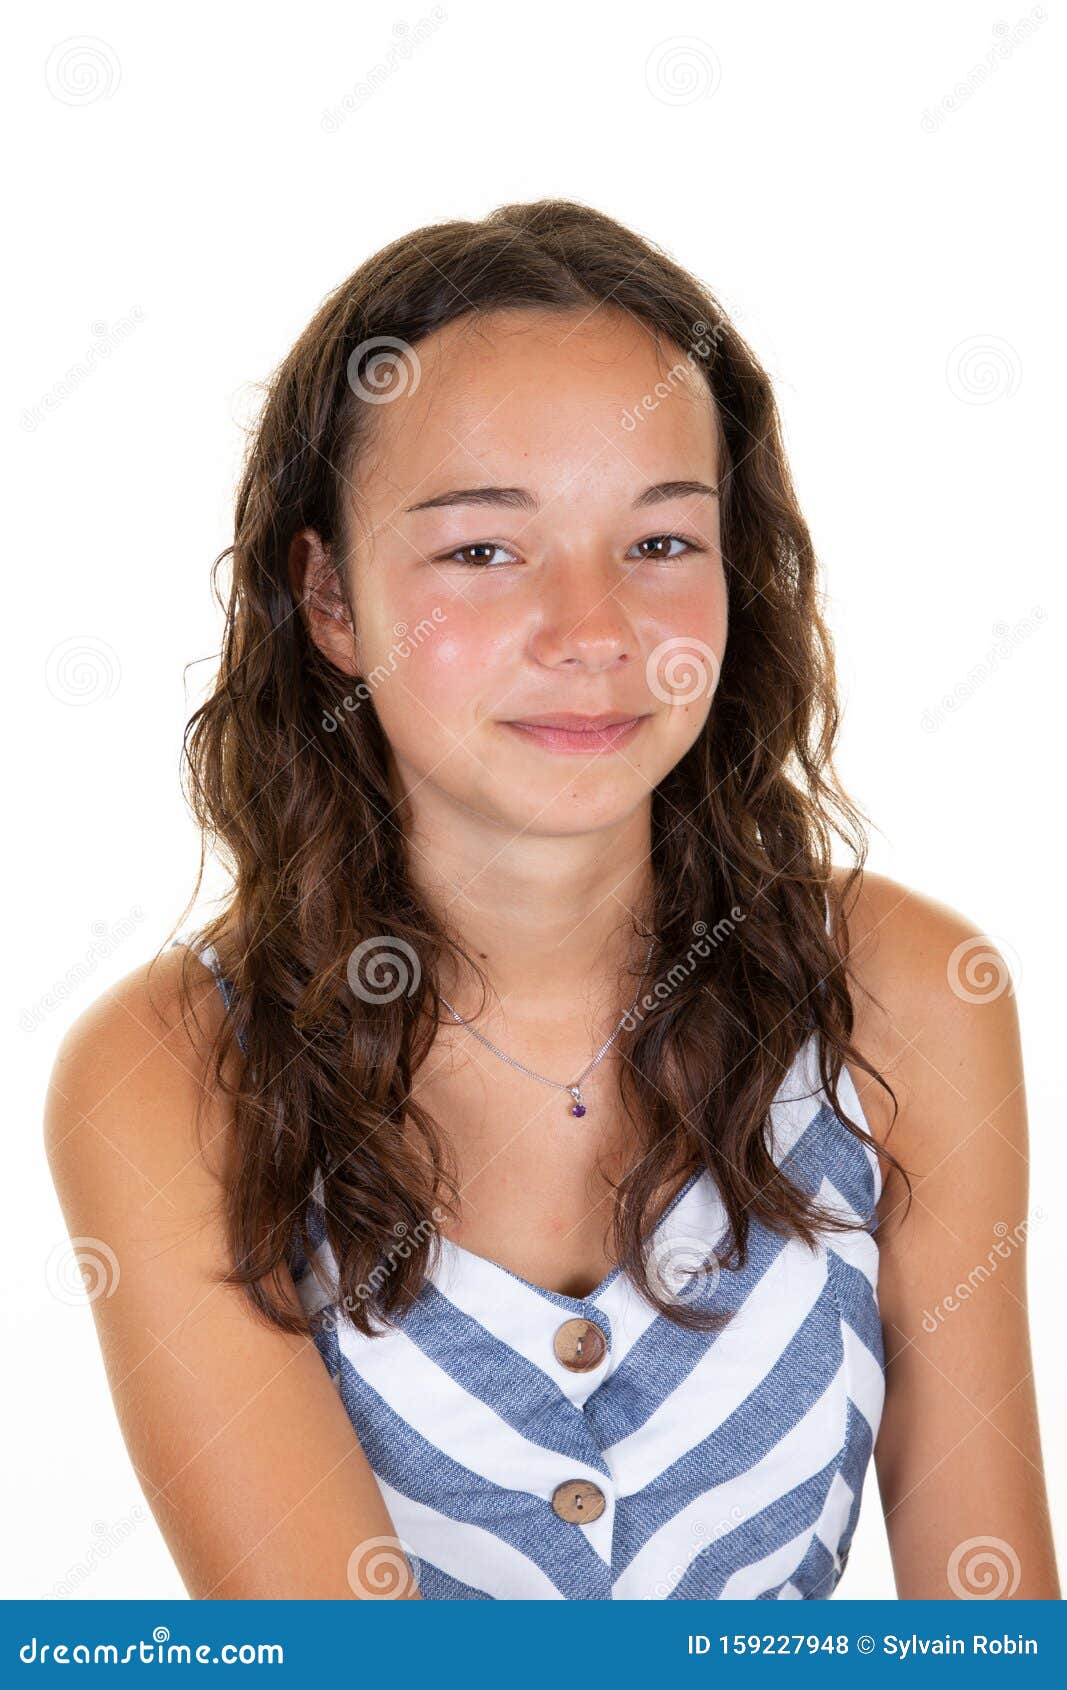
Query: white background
x=180 y=208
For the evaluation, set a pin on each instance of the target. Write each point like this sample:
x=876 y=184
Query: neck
x=550 y=921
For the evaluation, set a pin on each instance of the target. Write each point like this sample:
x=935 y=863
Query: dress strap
x=208 y=955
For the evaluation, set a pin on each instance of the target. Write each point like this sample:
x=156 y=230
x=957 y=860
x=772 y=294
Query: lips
x=575 y=723
x=586 y=736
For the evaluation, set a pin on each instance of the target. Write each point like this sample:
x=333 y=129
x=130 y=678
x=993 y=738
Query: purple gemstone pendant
x=579 y=1106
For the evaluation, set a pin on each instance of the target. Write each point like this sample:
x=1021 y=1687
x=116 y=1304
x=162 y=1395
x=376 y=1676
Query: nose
x=583 y=619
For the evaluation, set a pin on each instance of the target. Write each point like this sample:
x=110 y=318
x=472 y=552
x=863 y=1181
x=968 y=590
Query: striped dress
x=530 y=1445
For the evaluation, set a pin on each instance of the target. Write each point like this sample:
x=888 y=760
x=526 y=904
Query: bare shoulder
x=236 y=1434
x=139 y=1053
x=906 y=946
x=958 y=1453
x=142 y=1045
x=935 y=1010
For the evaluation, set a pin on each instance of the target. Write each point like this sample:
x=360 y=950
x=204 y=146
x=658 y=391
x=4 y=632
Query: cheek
x=466 y=648
x=421 y=648
x=696 y=606
x=447 y=669
x=443 y=663
x=442 y=678
x=683 y=644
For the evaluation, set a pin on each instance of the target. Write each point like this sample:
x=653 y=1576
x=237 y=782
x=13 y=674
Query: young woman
x=500 y=1187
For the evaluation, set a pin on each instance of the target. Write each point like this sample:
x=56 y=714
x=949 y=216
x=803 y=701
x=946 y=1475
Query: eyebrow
x=519 y=498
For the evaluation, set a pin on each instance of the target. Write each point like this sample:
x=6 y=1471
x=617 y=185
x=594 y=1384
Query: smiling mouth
x=581 y=735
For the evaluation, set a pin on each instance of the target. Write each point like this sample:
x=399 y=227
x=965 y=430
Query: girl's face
x=537 y=532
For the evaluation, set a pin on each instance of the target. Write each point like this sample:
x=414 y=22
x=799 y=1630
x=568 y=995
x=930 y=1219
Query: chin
x=562 y=813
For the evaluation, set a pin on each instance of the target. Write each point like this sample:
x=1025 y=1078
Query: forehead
x=554 y=394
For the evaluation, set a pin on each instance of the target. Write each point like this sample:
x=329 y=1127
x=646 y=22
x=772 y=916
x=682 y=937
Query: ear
x=327 y=617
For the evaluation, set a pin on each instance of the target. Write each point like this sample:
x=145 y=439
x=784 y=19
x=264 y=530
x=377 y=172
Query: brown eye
x=466 y=554
x=659 y=541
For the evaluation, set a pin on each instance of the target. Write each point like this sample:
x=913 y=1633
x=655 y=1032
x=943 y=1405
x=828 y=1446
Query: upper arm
x=238 y=1437
x=958 y=1455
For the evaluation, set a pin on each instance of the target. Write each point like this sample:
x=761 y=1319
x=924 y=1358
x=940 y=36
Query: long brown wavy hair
x=296 y=797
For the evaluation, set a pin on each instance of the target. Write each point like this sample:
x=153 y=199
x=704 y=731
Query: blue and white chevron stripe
x=731 y=1464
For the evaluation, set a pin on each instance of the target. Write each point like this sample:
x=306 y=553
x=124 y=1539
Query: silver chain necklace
x=575 y=1090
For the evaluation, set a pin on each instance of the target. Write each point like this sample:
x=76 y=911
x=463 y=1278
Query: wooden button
x=578 y=1501
x=580 y=1345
